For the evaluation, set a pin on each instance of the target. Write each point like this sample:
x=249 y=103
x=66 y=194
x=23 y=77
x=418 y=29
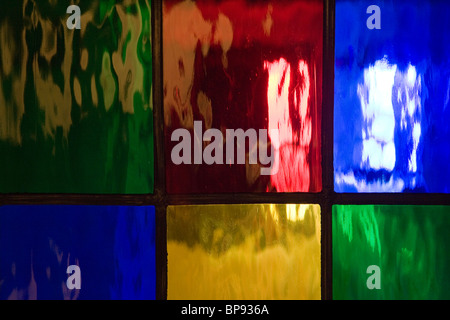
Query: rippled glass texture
x=114 y=248
x=261 y=251
x=76 y=105
x=254 y=66
x=392 y=97
x=409 y=244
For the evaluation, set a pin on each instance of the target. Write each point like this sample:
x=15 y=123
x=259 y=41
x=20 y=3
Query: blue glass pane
x=77 y=252
x=392 y=97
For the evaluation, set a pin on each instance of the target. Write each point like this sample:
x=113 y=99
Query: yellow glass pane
x=244 y=252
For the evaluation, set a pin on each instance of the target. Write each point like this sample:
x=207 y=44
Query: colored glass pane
x=76 y=105
x=242 y=96
x=392 y=87
x=261 y=251
x=391 y=252
x=113 y=247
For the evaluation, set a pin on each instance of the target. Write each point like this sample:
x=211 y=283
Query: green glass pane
x=76 y=113
x=391 y=252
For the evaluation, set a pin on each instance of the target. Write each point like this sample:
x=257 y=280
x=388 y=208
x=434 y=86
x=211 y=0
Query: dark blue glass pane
x=112 y=247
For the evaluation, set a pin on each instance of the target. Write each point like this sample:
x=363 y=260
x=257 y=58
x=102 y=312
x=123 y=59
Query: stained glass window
x=227 y=149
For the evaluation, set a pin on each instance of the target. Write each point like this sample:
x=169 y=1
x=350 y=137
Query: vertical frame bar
x=327 y=148
x=159 y=197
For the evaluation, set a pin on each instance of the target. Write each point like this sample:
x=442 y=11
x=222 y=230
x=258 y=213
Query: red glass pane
x=242 y=96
